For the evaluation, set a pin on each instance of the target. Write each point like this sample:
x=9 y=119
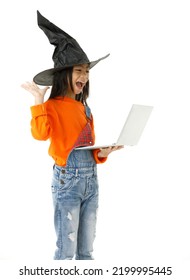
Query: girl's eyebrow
x=87 y=66
x=82 y=68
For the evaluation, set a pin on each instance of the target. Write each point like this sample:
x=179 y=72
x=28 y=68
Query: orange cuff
x=97 y=159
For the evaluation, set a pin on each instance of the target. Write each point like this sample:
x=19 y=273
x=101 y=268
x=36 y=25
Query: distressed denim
x=75 y=199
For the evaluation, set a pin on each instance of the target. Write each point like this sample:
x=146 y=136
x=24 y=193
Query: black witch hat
x=67 y=51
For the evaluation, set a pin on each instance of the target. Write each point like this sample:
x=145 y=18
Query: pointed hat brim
x=45 y=78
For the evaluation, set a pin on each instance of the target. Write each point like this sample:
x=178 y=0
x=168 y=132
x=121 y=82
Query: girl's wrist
x=101 y=154
x=39 y=100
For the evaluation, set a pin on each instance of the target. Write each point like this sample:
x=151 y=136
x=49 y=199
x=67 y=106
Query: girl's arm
x=40 y=127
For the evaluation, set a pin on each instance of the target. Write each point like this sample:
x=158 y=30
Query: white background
x=144 y=190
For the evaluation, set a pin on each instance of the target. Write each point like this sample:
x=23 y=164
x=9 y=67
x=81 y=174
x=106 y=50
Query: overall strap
x=88 y=112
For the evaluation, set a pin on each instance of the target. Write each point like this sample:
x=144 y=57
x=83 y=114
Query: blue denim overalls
x=75 y=198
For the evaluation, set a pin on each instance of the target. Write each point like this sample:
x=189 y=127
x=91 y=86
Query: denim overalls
x=75 y=198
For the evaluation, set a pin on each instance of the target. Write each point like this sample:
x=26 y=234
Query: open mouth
x=80 y=85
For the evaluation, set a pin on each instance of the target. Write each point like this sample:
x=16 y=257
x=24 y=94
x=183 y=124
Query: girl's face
x=80 y=77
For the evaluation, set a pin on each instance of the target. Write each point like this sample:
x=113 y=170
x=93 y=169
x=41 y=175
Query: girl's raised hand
x=36 y=91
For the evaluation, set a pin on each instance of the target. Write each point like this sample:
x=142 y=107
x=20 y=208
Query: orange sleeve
x=97 y=159
x=40 y=127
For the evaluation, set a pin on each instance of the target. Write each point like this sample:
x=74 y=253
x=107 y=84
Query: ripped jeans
x=75 y=199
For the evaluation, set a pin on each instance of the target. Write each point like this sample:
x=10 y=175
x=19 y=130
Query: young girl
x=66 y=120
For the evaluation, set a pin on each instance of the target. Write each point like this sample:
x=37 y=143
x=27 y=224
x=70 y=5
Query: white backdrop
x=144 y=190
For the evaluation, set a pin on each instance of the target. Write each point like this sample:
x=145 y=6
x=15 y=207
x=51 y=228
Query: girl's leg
x=87 y=221
x=66 y=213
x=66 y=219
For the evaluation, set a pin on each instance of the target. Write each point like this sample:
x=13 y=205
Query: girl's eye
x=80 y=70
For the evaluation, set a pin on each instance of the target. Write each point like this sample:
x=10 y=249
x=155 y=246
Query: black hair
x=62 y=80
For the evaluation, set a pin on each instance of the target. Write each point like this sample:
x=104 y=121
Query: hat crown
x=67 y=51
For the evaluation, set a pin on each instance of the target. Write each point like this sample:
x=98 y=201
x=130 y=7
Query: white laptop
x=132 y=129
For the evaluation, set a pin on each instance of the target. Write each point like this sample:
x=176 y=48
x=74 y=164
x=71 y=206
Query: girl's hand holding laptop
x=104 y=152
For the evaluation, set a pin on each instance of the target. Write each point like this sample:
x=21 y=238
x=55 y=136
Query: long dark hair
x=62 y=80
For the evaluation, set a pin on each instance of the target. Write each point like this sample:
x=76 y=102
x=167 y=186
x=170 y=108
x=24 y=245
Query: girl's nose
x=84 y=77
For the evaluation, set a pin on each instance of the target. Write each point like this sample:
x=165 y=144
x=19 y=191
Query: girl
x=66 y=120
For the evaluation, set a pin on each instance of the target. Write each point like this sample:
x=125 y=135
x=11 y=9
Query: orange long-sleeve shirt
x=60 y=120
